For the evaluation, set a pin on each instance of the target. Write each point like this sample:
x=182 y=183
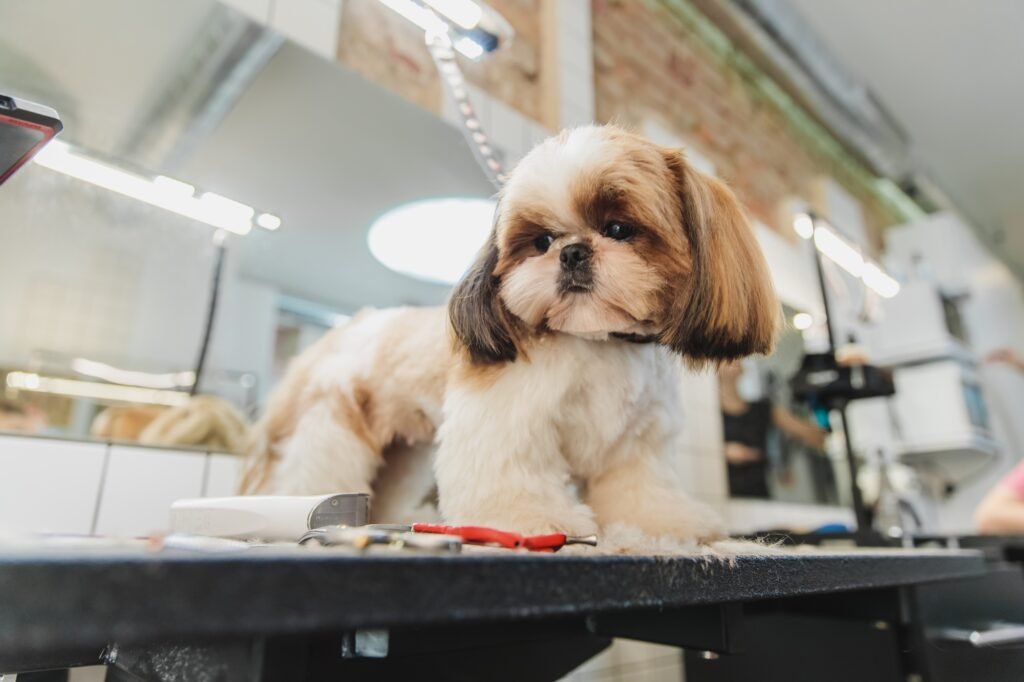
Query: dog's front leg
x=499 y=464
x=639 y=489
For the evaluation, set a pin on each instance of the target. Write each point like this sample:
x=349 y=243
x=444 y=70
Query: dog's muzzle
x=577 y=272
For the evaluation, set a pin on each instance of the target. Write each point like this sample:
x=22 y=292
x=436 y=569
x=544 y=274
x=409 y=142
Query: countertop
x=68 y=598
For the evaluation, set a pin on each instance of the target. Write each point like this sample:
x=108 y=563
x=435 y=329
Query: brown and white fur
x=550 y=386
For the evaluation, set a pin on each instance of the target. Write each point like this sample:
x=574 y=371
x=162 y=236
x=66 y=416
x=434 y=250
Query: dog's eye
x=543 y=242
x=620 y=232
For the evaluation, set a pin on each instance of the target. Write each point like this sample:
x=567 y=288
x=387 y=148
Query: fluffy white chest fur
x=597 y=395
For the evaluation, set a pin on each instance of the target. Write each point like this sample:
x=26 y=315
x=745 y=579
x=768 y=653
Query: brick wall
x=649 y=64
x=388 y=50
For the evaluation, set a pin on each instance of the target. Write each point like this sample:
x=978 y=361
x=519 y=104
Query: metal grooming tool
x=367 y=536
x=281 y=518
x=482 y=535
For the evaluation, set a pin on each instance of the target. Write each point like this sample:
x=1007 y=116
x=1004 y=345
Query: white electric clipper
x=272 y=518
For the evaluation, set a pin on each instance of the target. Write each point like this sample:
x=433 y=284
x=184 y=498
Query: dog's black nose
x=575 y=255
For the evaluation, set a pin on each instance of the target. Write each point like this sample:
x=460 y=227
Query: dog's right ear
x=478 y=317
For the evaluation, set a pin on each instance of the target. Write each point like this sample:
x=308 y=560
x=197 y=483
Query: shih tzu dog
x=550 y=382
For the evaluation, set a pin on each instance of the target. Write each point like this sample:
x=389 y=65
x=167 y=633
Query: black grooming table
x=63 y=607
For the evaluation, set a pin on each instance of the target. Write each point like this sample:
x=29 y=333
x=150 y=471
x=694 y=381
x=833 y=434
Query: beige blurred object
x=851 y=354
x=204 y=420
x=19 y=419
x=124 y=422
x=1007 y=356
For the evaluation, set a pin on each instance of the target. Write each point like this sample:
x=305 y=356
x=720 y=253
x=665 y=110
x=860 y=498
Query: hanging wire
x=441 y=51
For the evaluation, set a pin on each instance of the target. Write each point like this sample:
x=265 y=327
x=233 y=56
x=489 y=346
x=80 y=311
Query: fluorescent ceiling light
x=464 y=13
x=803 y=321
x=162 y=192
x=27 y=381
x=116 y=375
x=227 y=210
x=171 y=185
x=417 y=14
x=803 y=224
x=434 y=240
x=469 y=48
x=845 y=255
x=879 y=282
x=432 y=24
x=836 y=248
x=268 y=221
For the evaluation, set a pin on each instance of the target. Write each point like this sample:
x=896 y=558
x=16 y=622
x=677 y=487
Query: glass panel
x=105 y=292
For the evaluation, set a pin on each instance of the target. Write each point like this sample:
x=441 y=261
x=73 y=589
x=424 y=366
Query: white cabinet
x=49 y=485
x=141 y=484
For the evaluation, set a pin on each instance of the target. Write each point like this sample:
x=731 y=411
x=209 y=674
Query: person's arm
x=1000 y=513
x=1007 y=356
x=805 y=432
x=738 y=453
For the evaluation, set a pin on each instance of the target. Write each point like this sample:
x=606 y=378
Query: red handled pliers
x=481 y=535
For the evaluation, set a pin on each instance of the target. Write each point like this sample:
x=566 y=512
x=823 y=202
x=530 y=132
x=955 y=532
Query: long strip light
x=163 y=192
x=836 y=248
x=845 y=255
x=463 y=13
x=127 y=377
x=74 y=388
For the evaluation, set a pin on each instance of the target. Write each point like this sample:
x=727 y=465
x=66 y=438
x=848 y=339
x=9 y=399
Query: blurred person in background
x=1002 y=510
x=745 y=428
x=20 y=419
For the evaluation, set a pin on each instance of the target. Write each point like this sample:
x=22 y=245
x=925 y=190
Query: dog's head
x=600 y=232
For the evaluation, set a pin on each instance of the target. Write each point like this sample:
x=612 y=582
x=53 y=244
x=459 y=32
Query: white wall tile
x=141 y=484
x=311 y=23
x=49 y=485
x=222 y=475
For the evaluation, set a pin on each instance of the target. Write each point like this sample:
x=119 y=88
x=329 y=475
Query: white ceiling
x=952 y=73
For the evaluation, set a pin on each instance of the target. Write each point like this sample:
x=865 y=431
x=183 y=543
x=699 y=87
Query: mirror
x=104 y=297
x=773 y=447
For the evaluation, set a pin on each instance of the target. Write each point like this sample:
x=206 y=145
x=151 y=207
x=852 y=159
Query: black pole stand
x=860 y=511
x=220 y=240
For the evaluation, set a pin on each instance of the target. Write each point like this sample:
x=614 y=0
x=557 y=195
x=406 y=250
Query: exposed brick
x=388 y=50
x=649 y=65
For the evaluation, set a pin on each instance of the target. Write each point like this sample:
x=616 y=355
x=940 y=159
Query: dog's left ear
x=729 y=308
x=479 y=319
